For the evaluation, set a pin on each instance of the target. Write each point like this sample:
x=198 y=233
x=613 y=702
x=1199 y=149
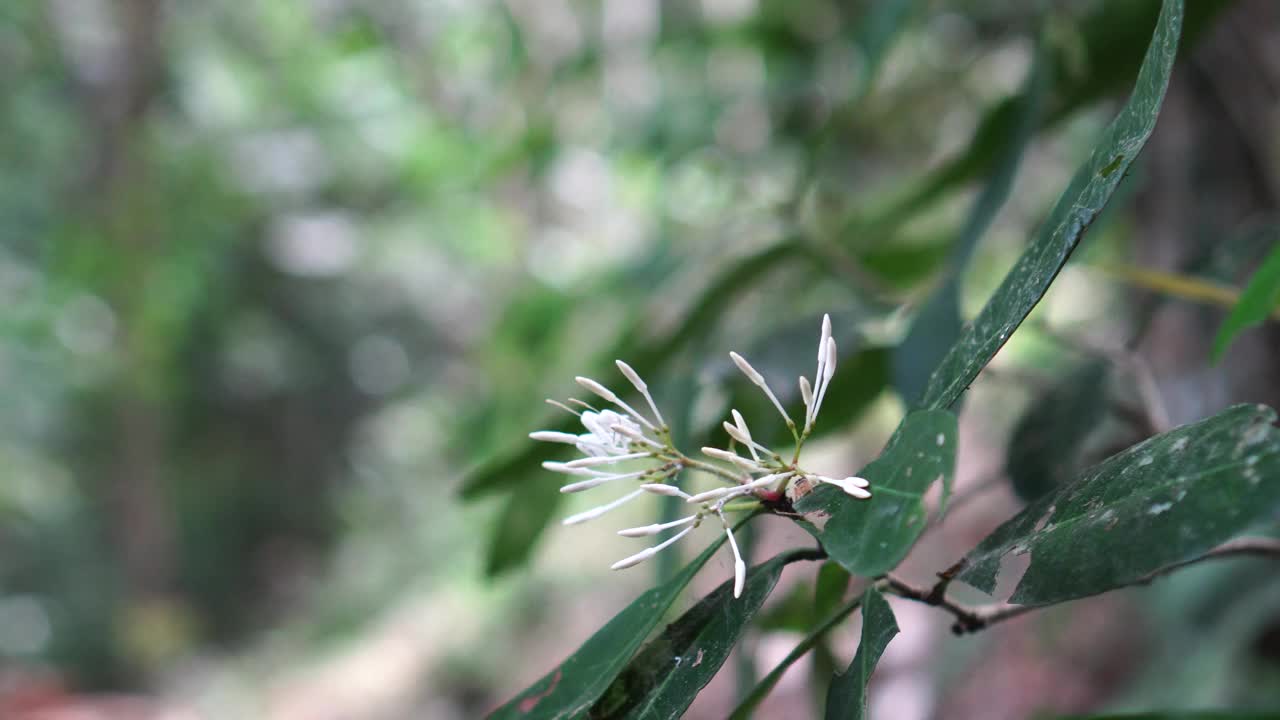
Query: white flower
x=625 y=437
x=611 y=438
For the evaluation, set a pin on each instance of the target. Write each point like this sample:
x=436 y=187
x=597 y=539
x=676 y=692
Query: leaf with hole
x=1169 y=499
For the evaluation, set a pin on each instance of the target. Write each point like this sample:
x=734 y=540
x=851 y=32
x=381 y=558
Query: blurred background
x=284 y=285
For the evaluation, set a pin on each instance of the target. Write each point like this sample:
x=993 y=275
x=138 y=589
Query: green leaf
x=1166 y=500
x=936 y=326
x=1260 y=298
x=570 y=689
x=1046 y=442
x=829 y=588
x=870 y=537
x=1078 y=207
x=747 y=707
x=847 y=696
x=524 y=517
x=668 y=673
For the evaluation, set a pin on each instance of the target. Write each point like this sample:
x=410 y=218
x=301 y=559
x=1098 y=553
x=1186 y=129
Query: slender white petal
x=739 y=567
x=806 y=392
x=853 y=486
x=752 y=374
x=648 y=552
x=741 y=423
x=564 y=407
x=585 y=406
x=661 y=489
x=642 y=387
x=828 y=371
x=736 y=433
x=568 y=469
x=553 y=436
x=657 y=528
x=596 y=512
x=609 y=395
x=601 y=480
x=755 y=377
x=607 y=459
x=716 y=494
x=733 y=458
x=636 y=435
x=720 y=493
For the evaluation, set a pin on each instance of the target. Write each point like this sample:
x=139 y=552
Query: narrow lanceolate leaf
x=570 y=689
x=870 y=537
x=1260 y=298
x=1086 y=196
x=847 y=696
x=746 y=709
x=937 y=326
x=1163 y=501
x=665 y=677
x=1047 y=441
x=524 y=517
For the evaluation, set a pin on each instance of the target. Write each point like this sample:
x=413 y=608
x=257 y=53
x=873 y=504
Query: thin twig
x=967 y=619
x=973 y=619
x=1255 y=546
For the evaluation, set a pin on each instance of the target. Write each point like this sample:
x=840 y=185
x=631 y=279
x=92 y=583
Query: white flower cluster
x=629 y=437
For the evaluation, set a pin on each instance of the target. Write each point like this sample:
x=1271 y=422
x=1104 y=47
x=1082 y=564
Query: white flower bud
x=656 y=528
x=596 y=512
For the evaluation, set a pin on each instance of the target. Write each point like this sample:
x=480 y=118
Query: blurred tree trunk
x=116 y=85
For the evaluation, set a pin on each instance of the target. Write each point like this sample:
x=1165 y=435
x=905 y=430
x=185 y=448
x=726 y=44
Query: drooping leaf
x=1084 y=199
x=847 y=695
x=937 y=325
x=667 y=674
x=1047 y=440
x=870 y=537
x=1166 y=500
x=572 y=688
x=524 y=517
x=1260 y=298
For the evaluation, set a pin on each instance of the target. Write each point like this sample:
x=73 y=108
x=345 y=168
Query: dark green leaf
x=829 y=588
x=1046 y=442
x=524 y=517
x=668 y=673
x=870 y=537
x=1260 y=298
x=747 y=707
x=569 y=690
x=937 y=326
x=1083 y=200
x=847 y=696
x=1166 y=500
